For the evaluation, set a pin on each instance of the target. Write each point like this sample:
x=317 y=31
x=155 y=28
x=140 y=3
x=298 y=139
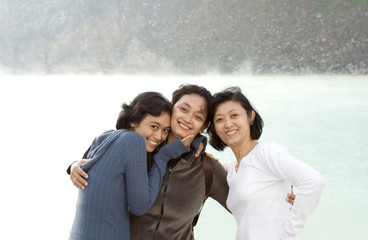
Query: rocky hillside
x=187 y=37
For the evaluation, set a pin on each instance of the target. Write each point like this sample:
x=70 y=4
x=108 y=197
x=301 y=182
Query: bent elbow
x=139 y=211
x=319 y=182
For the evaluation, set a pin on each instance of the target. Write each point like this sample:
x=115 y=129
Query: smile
x=231 y=133
x=184 y=126
x=152 y=142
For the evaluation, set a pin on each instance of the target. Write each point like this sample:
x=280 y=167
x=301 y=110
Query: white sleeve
x=309 y=182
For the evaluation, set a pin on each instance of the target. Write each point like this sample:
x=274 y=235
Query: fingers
x=201 y=146
x=78 y=179
x=290 y=198
x=291 y=201
x=198 y=153
x=83 y=161
x=78 y=176
x=187 y=140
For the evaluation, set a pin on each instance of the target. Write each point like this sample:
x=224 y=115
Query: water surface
x=47 y=122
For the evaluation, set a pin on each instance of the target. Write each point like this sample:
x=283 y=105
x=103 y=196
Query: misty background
x=67 y=65
x=184 y=37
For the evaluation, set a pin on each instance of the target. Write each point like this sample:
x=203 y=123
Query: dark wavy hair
x=233 y=94
x=147 y=103
x=186 y=89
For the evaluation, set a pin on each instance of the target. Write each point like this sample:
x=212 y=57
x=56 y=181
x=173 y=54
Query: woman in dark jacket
x=117 y=170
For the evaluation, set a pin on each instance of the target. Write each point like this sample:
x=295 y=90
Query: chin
x=150 y=149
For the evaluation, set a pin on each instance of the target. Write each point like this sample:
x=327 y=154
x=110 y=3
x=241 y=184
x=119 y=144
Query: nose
x=188 y=118
x=228 y=123
x=157 y=135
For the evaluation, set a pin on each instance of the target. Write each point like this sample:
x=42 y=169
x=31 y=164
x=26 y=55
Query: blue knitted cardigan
x=118 y=181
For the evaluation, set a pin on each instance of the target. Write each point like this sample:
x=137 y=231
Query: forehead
x=194 y=101
x=228 y=106
x=163 y=119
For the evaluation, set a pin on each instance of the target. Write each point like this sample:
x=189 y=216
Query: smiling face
x=232 y=123
x=188 y=116
x=153 y=129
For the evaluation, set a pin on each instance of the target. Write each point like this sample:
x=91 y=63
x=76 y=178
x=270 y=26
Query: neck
x=171 y=138
x=243 y=149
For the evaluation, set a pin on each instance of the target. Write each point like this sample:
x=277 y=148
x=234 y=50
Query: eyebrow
x=200 y=111
x=153 y=122
x=227 y=112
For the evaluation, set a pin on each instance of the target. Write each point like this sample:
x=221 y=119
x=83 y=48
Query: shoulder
x=123 y=137
x=130 y=136
x=210 y=158
x=266 y=154
x=229 y=165
x=217 y=165
x=269 y=147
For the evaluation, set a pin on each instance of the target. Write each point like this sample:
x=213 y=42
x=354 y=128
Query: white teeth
x=152 y=142
x=231 y=132
x=186 y=127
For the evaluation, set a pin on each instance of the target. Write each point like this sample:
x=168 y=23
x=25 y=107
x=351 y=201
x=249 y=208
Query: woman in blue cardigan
x=118 y=177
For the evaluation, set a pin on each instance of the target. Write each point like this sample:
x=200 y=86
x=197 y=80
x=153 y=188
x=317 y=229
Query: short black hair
x=233 y=94
x=186 y=89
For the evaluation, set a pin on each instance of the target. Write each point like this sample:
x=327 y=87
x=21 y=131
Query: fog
x=66 y=66
x=192 y=37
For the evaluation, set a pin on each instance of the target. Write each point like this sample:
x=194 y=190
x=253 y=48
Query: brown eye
x=199 y=118
x=218 y=120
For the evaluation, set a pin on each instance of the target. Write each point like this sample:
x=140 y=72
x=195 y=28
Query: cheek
x=198 y=126
x=175 y=112
x=172 y=121
x=217 y=128
x=173 y=118
x=164 y=136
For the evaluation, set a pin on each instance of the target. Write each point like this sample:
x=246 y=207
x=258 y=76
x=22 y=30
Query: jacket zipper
x=162 y=203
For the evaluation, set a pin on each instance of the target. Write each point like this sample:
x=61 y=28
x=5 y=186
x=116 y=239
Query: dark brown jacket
x=179 y=200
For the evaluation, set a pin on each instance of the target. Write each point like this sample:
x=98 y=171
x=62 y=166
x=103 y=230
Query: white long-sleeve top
x=257 y=193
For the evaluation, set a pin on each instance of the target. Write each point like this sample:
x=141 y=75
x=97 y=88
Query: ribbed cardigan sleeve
x=141 y=187
x=118 y=180
x=160 y=159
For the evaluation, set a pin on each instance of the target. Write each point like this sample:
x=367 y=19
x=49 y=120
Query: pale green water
x=47 y=122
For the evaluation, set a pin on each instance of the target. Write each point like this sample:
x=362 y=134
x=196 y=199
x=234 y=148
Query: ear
x=252 y=117
x=132 y=125
x=203 y=127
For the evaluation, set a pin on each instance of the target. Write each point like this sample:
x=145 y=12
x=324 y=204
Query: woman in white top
x=262 y=173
